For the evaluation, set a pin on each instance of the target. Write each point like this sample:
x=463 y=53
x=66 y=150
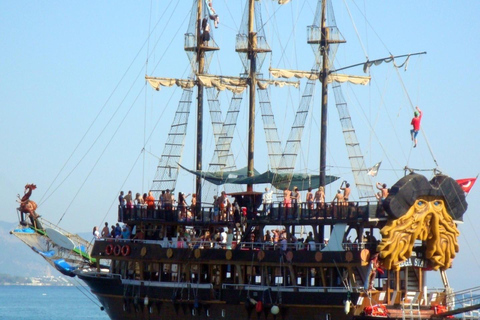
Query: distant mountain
x=17 y=259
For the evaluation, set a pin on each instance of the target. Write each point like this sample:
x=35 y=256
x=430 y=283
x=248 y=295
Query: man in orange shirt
x=150 y=204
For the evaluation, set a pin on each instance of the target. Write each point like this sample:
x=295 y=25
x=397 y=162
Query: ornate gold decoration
x=365 y=256
x=143 y=251
x=169 y=252
x=426 y=220
x=229 y=254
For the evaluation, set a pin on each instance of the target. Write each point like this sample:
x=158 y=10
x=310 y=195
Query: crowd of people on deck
x=224 y=238
x=223 y=208
x=118 y=232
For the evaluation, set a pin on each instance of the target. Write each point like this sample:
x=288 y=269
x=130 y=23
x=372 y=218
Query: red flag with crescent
x=466 y=184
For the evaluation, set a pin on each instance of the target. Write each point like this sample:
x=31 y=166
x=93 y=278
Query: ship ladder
x=412 y=306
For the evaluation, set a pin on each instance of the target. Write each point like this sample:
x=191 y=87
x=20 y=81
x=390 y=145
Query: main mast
x=201 y=67
x=253 y=83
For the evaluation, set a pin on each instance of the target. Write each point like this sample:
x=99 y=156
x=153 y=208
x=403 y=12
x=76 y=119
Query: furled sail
x=314 y=75
x=156 y=82
x=235 y=85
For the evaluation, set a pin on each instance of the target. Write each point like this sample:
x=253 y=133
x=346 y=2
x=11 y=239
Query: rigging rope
x=103 y=151
x=411 y=105
x=42 y=200
x=356 y=30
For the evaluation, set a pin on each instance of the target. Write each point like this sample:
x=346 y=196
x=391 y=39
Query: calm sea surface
x=52 y=303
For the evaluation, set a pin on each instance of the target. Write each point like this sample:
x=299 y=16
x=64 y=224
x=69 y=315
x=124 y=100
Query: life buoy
x=378 y=310
x=109 y=249
x=125 y=250
x=117 y=250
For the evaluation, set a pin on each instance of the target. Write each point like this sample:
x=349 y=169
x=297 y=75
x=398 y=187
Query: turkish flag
x=466 y=184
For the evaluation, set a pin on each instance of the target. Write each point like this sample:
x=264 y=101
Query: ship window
x=278 y=276
x=258 y=279
x=166 y=272
x=151 y=272
x=194 y=272
x=216 y=274
x=301 y=278
x=174 y=272
x=228 y=273
x=314 y=277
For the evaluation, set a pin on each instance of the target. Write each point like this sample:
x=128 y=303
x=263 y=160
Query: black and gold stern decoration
x=422 y=210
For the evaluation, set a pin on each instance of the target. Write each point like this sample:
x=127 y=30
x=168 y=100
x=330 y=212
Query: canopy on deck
x=302 y=181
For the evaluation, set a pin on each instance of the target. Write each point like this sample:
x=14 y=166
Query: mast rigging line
x=421 y=128
x=356 y=30
x=374 y=132
x=43 y=199
x=158 y=40
x=104 y=149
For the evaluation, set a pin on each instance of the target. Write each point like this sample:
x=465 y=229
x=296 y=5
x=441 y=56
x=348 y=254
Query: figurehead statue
x=422 y=210
x=28 y=206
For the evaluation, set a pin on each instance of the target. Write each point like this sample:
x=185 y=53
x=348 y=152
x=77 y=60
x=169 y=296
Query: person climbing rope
x=416 y=125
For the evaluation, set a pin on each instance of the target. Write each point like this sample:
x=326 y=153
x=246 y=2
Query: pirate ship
x=175 y=270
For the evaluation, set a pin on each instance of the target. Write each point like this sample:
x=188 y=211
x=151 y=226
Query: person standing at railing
x=383 y=194
x=294 y=197
x=283 y=242
x=287 y=201
x=95 y=233
x=105 y=231
x=129 y=203
x=309 y=201
x=346 y=191
x=319 y=199
x=121 y=206
x=267 y=199
x=150 y=204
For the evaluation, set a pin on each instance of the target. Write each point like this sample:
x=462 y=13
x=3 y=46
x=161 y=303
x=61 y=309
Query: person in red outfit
x=416 y=125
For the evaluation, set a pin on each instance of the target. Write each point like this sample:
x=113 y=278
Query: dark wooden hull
x=120 y=302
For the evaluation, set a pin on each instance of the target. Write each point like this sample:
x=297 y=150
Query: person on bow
x=416 y=125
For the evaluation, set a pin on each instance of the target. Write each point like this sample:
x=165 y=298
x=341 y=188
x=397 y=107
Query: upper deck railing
x=351 y=212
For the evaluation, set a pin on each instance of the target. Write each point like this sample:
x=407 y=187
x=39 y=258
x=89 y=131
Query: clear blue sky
x=63 y=62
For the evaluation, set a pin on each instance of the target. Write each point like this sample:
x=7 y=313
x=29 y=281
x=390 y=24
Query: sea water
x=48 y=302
